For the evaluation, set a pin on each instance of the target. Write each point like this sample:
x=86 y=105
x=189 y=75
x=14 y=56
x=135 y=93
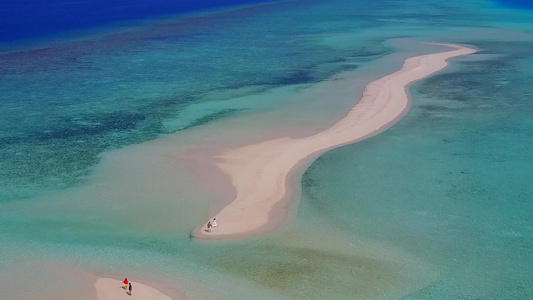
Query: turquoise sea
x=440 y=206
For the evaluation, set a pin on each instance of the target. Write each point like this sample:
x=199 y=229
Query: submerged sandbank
x=111 y=289
x=261 y=173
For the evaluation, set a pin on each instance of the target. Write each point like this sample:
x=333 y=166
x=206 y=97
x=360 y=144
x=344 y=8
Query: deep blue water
x=35 y=18
x=523 y=4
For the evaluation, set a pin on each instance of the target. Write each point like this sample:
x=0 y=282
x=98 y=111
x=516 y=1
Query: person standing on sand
x=208 y=226
x=215 y=225
x=129 y=288
x=125 y=282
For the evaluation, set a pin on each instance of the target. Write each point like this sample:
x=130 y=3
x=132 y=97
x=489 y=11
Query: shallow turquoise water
x=438 y=207
x=450 y=182
x=92 y=96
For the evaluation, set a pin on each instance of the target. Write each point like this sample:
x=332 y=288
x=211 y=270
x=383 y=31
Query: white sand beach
x=111 y=289
x=262 y=174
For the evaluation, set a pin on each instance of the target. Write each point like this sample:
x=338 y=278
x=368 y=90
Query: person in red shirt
x=125 y=282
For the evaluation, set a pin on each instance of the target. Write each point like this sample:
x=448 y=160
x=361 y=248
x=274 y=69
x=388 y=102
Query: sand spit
x=262 y=173
x=111 y=289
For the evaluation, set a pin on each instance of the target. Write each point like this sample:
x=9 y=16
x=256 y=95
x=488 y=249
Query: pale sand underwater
x=262 y=173
x=150 y=171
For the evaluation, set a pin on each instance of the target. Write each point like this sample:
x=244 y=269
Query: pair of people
x=127 y=285
x=212 y=225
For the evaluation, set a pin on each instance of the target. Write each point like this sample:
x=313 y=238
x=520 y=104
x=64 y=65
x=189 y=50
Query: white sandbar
x=261 y=173
x=111 y=289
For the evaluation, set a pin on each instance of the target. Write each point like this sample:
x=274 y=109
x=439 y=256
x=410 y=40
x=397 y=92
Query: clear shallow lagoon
x=437 y=207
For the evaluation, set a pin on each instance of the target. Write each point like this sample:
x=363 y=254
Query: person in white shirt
x=214 y=224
